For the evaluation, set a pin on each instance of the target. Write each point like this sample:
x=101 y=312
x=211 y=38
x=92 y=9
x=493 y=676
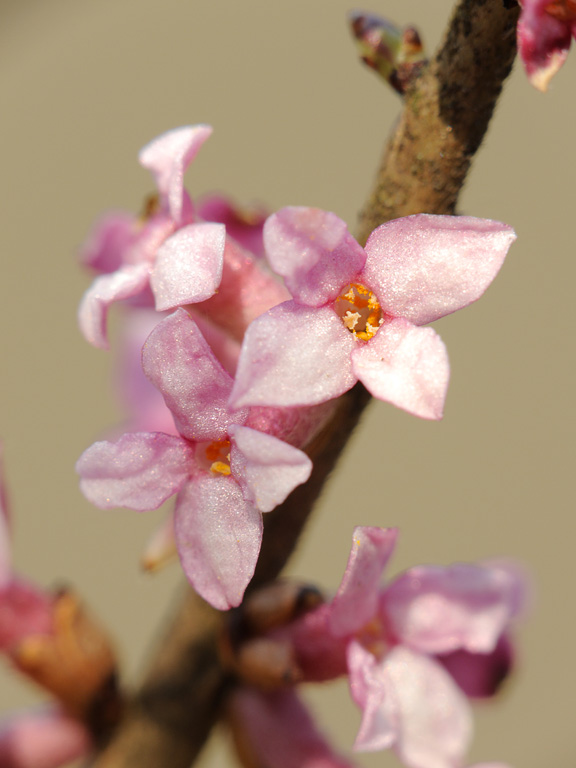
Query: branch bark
x=446 y=114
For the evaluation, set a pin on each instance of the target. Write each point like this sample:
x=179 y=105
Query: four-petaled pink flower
x=356 y=312
x=545 y=32
x=225 y=471
x=392 y=641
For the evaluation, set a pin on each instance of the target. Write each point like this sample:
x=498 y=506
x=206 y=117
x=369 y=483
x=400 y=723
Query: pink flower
x=243 y=224
x=45 y=738
x=173 y=258
x=227 y=466
x=356 y=313
x=545 y=32
x=180 y=260
x=391 y=640
x=25 y=610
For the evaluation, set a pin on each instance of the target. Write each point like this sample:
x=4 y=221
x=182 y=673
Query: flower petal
x=434 y=719
x=111 y=238
x=314 y=253
x=25 y=610
x=406 y=366
x=139 y=471
x=436 y=609
x=178 y=361
x=188 y=266
x=294 y=355
x=374 y=694
x=267 y=469
x=356 y=601
x=243 y=224
x=281 y=731
x=104 y=291
x=218 y=535
x=168 y=157
x=45 y=738
x=480 y=675
x=424 y=267
x=543 y=42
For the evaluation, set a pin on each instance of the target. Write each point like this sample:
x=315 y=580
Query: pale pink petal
x=406 y=366
x=168 y=157
x=434 y=718
x=423 y=267
x=247 y=290
x=314 y=253
x=218 y=535
x=356 y=602
x=104 y=291
x=243 y=223
x=267 y=469
x=374 y=694
x=139 y=471
x=543 y=42
x=436 y=609
x=294 y=355
x=24 y=610
x=178 y=361
x=45 y=738
x=188 y=266
x=110 y=239
x=161 y=546
x=282 y=732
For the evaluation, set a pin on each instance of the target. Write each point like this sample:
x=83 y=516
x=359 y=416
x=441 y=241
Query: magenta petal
x=178 y=361
x=104 y=291
x=188 y=266
x=282 y=732
x=294 y=355
x=356 y=601
x=406 y=366
x=168 y=157
x=543 y=42
x=314 y=253
x=24 y=610
x=435 y=723
x=218 y=535
x=424 y=267
x=45 y=738
x=267 y=469
x=436 y=609
x=480 y=675
x=139 y=471
x=374 y=694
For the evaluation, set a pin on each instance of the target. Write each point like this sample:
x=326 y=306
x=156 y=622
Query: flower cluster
x=251 y=361
x=414 y=650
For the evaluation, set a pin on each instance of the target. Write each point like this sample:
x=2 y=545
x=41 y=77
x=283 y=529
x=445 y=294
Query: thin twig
x=447 y=112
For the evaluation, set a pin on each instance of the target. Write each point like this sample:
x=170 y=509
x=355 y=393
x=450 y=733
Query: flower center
x=563 y=10
x=359 y=310
x=214 y=456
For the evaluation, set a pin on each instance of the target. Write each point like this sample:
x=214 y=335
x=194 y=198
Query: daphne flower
x=391 y=640
x=545 y=32
x=356 y=313
x=225 y=471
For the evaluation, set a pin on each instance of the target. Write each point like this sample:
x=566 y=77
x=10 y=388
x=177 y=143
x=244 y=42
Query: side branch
x=446 y=115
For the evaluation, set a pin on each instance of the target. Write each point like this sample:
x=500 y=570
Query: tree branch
x=446 y=115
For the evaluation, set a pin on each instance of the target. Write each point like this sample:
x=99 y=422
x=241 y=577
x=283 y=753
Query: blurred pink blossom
x=545 y=32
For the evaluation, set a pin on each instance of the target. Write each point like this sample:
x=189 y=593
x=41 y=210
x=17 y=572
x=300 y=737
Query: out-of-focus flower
x=356 y=313
x=545 y=32
x=278 y=730
x=244 y=224
x=391 y=639
x=227 y=466
x=45 y=738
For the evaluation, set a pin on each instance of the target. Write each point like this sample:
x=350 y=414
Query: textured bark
x=446 y=115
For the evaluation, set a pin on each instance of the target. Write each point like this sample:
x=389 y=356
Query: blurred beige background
x=83 y=85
